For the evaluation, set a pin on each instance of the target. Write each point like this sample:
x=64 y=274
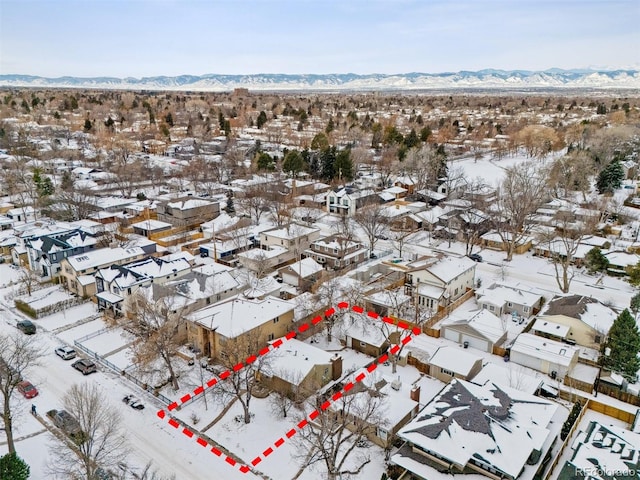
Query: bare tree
x=564 y=243
x=28 y=279
x=18 y=354
x=242 y=383
x=520 y=194
x=330 y=442
x=161 y=329
x=254 y=202
x=374 y=223
x=103 y=442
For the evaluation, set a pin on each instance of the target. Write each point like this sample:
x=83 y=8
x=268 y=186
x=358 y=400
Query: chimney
x=415 y=394
x=336 y=367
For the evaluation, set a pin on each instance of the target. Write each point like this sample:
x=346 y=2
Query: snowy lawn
x=68 y=316
x=9 y=274
x=46 y=297
x=109 y=341
x=81 y=330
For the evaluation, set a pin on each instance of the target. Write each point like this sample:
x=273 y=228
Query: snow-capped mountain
x=482 y=79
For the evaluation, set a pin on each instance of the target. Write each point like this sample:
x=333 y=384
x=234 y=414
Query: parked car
x=65 y=353
x=26 y=326
x=67 y=423
x=133 y=402
x=475 y=257
x=85 y=366
x=27 y=389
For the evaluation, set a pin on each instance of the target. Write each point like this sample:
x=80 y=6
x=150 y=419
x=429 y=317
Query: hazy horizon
x=147 y=38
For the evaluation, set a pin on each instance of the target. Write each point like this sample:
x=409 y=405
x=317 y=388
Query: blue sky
x=172 y=37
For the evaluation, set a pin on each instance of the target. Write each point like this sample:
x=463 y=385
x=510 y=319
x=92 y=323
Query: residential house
x=491 y=430
x=295 y=238
x=21 y=214
x=188 y=212
x=337 y=252
x=448 y=363
x=45 y=252
x=438 y=283
x=510 y=375
x=77 y=272
x=482 y=331
x=150 y=227
x=556 y=359
x=407 y=183
x=588 y=320
x=347 y=200
x=365 y=335
x=601 y=448
x=388 y=303
x=495 y=241
x=299 y=369
x=301 y=274
x=260 y=319
x=506 y=300
x=117 y=283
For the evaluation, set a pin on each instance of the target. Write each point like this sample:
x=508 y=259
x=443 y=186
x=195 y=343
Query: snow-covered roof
x=485 y=323
x=604 y=448
x=449 y=268
x=295 y=360
x=557 y=353
x=454 y=359
x=103 y=256
x=550 y=328
x=500 y=295
x=509 y=375
x=232 y=318
x=595 y=314
x=109 y=297
x=363 y=329
x=261 y=254
x=304 y=268
x=151 y=225
x=294 y=231
x=190 y=203
x=497 y=424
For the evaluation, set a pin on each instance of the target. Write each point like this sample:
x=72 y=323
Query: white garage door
x=452 y=335
x=477 y=343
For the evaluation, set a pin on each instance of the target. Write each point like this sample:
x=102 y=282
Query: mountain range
x=463 y=80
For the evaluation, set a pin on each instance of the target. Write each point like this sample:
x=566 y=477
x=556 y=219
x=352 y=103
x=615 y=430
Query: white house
x=481 y=331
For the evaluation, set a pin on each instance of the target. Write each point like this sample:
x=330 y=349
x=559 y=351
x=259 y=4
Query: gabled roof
x=484 y=323
x=454 y=359
x=450 y=267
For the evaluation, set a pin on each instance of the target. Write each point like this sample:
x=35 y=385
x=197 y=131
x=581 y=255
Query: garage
x=474 y=342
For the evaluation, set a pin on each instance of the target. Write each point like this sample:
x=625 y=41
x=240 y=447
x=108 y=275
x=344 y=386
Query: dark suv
x=85 y=366
x=475 y=257
x=26 y=326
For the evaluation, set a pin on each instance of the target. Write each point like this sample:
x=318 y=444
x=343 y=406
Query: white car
x=66 y=353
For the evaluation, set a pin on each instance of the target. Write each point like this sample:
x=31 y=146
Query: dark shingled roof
x=571 y=306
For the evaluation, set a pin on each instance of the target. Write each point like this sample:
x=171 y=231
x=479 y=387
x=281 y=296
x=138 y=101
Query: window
x=509 y=304
x=492 y=308
x=597 y=339
x=382 y=433
x=276 y=320
x=362 y=344
x=525 y=309
x=271 y=337
x=447 y=372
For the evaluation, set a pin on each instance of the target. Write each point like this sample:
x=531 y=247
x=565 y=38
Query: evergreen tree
x=328 y=163
x=87 y=125
x=230 y=208
x=293 y=163
x=610 y=178
x=13 y=467
x=66 y=183
x=167 y=118
x=330 y=126
x=320 y=142
x=412 y=139
x=44 y=185
x=624 y=342
x=265 y=162
x=634 y=304
x=596 y=261
x=343 y=165
x=262 y=119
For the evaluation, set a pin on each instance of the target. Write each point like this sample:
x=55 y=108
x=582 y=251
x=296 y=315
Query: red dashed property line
x=277 y=344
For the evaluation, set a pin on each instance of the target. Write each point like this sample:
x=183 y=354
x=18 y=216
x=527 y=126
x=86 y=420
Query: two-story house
x=336 y=252
x=260 y=320
x=77 y=272
x=116 y=283
x=188 y=211
x=436 y=284
x=45 y=253
x=347 y=200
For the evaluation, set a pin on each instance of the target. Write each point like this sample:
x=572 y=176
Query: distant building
x=188 y=211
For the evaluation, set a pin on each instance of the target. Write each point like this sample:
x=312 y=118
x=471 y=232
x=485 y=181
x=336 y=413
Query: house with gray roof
x=491 y=430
